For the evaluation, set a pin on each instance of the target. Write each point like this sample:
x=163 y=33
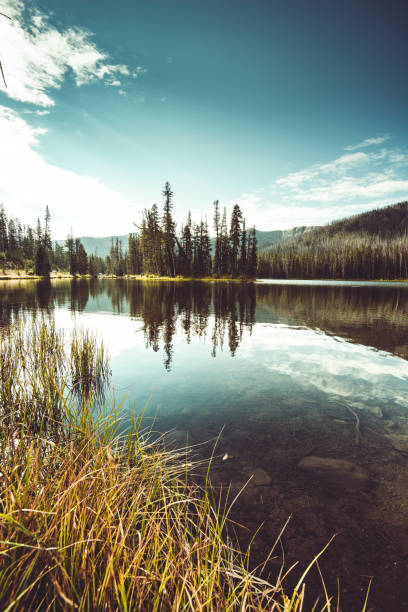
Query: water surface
x=278 y=371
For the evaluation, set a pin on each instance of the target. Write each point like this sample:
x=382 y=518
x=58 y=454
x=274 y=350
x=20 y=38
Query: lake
x=303 y=384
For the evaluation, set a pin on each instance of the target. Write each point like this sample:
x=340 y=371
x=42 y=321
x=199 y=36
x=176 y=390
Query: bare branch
x=2 y=74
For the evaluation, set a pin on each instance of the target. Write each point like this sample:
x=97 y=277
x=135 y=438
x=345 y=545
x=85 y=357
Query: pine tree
x=92 y=266
x=47 y=230
x=134 y=255
x=169 y=227
x=217 y=255
x=243 y=255
x=12 y=238
x=196 y=267
x=205 y=249
x=42 y=265
x=224 y=245
x=3 y=231
x=60 y=257
x=81 y=257
x=235 y=235
x=252 y=257
x=187 y=244
x=70 y=244
x=29 y=243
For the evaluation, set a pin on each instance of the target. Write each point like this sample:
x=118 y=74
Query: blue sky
x=296 y=110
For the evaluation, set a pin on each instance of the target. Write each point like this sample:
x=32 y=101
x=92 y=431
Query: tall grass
x=92 y=520
x=89 y=364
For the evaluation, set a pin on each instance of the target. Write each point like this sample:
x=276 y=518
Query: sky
x=295 y=110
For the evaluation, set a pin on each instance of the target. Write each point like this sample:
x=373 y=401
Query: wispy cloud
x=351 y=176
x=28 y=183
x=37 y=56
x=349 y=184
x=368 y=142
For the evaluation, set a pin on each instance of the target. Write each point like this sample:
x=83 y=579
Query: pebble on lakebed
x=261 y=478
x=339 y=472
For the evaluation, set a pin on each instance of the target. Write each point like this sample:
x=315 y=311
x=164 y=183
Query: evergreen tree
x=92 y=267
x=42 y=265
x=151 y=242
x=224 y=244
x=29 y=243
x=196 y=267
x=47 y=230
x=12 y=238
x=169 y=227
x=3 y=231
x=81 y=257
x=243 y=256
x=134 y=255
x=252 y=258
x=187 y=244
x=217 y=255
x=205 y=248
x=235 y=235
x=60 y=257
x=116 y=260
x=70 y=245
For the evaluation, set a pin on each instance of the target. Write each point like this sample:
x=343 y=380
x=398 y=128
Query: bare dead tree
x=1 y=67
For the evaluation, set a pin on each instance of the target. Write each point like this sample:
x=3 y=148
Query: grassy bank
x=11 y=274
x=94 y=520
x=206 y=279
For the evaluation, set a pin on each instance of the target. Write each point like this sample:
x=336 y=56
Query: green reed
x=94 y=520
x=89 y=364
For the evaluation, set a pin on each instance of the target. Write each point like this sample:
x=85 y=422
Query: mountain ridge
x=101 y=245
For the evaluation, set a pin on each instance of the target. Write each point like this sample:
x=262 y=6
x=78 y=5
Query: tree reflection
x=220 y=313
x=192 y=309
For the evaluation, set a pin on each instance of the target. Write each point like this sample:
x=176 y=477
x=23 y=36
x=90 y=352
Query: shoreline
x=183 y=279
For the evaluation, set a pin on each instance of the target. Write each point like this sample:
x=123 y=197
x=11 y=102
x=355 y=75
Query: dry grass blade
x=90 y=520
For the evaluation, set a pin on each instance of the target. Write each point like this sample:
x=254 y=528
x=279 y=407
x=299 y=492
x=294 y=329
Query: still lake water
x=285 y=371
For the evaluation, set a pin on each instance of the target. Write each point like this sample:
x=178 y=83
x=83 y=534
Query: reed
x=89 y=364
x=91 y=519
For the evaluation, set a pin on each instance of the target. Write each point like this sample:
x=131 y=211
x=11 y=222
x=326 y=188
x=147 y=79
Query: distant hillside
x=385 y=223
x=101 y=246
x=372 y=245
x=267 y=240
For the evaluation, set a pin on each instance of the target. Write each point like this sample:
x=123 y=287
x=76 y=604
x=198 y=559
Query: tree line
x=369 y=246
x=22 y=246
x=155 y=249
x=31 y=249
x=158 y=249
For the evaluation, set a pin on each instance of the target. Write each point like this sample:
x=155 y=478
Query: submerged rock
x=339 y=472
x=261 y=478
x=178 y=437
x=399 y=441
x=376 y=411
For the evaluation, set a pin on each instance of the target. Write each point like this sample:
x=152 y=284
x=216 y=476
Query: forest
x=369 y=246
x=155 y=249
x=24 y=248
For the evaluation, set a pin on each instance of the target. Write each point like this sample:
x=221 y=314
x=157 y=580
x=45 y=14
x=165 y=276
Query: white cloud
x=28 y=183
x=349 y=177
x=341 y=369
x=36 y=56
x=270 y=215
x=369 y=142
x=352 y=183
